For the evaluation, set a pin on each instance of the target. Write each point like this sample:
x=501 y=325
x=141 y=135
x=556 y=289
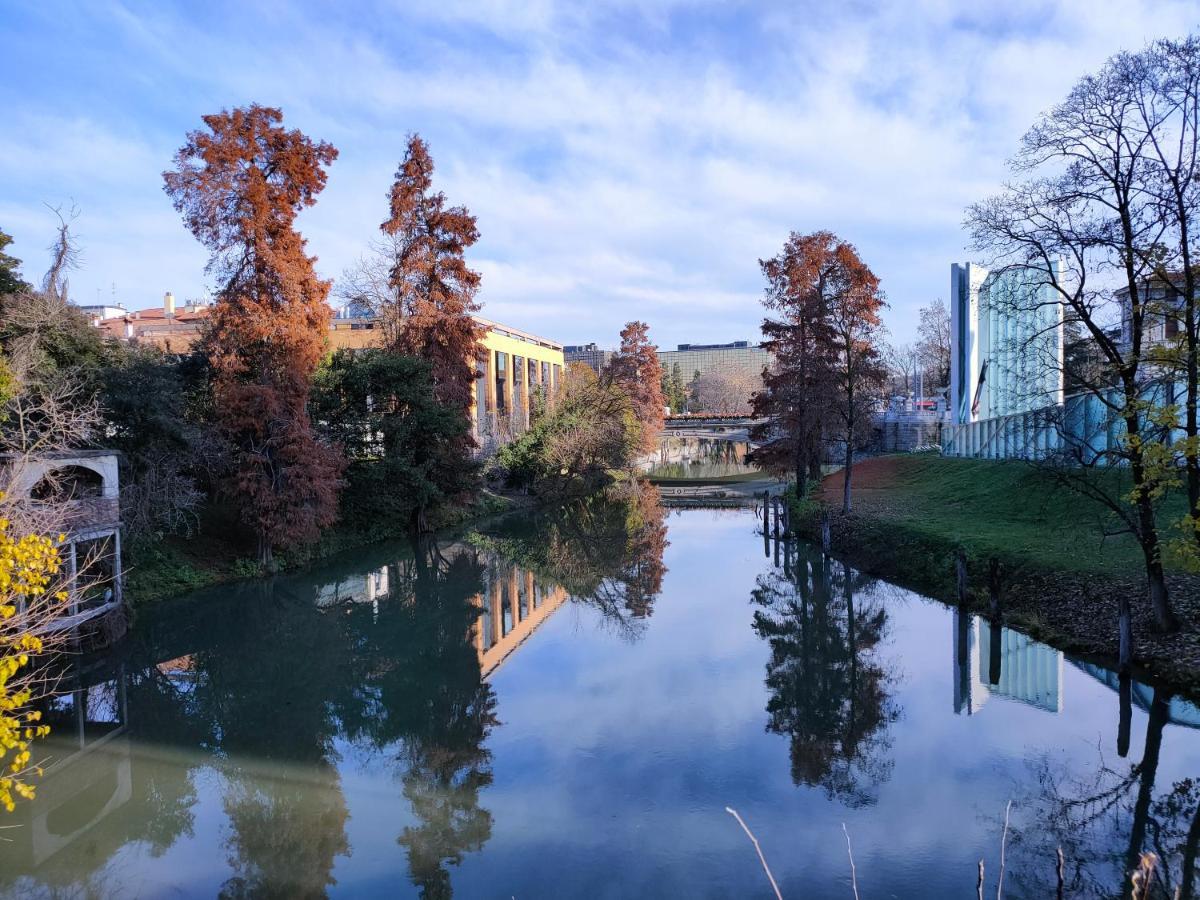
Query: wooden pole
x=994 y=590
x=960 y=576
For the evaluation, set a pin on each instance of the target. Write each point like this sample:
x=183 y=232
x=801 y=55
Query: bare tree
x=933 y=342
x=902 y=361
x=724 y=393
x=1080 y=230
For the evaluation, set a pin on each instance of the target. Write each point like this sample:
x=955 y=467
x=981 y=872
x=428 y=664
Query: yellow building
x=515 y=368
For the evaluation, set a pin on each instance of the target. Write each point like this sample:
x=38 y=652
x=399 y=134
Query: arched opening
x=68 y=483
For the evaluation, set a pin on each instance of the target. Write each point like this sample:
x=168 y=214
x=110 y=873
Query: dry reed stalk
x=758 y=849
x=1003 y=842
x=853 y=871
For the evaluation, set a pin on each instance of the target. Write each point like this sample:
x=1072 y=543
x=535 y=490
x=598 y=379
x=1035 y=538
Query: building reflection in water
x=992 y=660
x=395 y=658
x=89 y=779
x=513 y=604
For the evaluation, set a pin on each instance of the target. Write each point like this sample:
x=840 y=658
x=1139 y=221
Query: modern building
x=516 y=367
x=1163 y=323
x=1006 y=343
x=589 y=355
x=738 y=357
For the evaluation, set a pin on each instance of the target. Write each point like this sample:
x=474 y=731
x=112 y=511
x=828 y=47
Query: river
x=565 y=706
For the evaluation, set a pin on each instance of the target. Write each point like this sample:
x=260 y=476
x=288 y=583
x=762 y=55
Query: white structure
x=84 y=487
x=1006 y=343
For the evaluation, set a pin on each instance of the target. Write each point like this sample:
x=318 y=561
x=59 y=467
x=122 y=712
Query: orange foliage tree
x=239 y=186
x=433 y=288
x=636 y=370
x=799 y=397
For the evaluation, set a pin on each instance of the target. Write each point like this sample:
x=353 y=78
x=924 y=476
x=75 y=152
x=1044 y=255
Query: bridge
x=733 y=428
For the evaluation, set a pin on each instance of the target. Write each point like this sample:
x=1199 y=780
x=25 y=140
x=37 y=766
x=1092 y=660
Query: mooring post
x=775 y=510
x=994 y=592
x=960 y=575
x=826 y=536
x=1125 y=634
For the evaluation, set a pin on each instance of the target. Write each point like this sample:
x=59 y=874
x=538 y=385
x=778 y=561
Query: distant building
x=515 y=367
x=588 y=354
x=737 y=357
x=1163 y=322
x=170 y=328
x=1006 y=343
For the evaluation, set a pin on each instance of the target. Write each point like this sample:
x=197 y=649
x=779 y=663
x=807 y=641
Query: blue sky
x=625 y=159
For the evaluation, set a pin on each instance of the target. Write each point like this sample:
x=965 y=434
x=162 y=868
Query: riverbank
x=216 y=552
x=1063 y=576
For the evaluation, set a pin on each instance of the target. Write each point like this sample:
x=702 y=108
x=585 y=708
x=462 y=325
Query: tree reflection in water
x=419 y=688
x=1105 y=819
x=606 y=551
x=828 y=688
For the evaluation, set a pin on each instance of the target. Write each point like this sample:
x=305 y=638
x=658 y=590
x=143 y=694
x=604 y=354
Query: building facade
x=738 y=357
x=1006 y=343
x=588 y=354
x=515 y=369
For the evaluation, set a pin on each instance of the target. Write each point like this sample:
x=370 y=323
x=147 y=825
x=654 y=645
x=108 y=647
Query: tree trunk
x=1188 y=877
x=847 y=472
x=266 y=556
x=1147 y=770
x=1164 y=616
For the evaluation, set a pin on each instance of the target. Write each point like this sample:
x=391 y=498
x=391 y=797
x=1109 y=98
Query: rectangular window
x=546 y=373
x=557 y=375
x=501 y=382
x=518 y=369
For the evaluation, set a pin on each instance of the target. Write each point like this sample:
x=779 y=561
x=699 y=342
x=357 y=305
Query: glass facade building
x=739 y=357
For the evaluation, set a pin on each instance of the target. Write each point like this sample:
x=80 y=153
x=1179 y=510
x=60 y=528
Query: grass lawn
x=1007 y=509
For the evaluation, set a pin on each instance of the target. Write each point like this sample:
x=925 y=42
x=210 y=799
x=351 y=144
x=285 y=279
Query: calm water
x=697 y=458
x=565 y=709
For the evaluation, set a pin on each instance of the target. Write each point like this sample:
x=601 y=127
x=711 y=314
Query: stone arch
x=73 y=480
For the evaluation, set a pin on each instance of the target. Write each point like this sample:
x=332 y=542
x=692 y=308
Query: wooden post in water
x=766 y=525
x=1124 y=713
x=826 y=538
x=960 y=576
x=775 y=510
x=994 y=590
x=1125 y=634
x=787 y=516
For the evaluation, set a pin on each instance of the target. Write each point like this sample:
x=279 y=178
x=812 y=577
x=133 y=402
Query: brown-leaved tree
x=433 y=290
x=636 y=370
x=239 y=185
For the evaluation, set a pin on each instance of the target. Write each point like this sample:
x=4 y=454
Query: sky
x=626 y=159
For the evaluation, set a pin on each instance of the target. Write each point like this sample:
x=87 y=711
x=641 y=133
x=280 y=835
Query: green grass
x=1008 y=509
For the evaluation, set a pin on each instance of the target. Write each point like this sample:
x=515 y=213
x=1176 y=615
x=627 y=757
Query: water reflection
x=829 y=689
x=605 y=551
x=991 y=660
x=698 y=458
x=420 y=719
x=1104 y=816
x=257 y=693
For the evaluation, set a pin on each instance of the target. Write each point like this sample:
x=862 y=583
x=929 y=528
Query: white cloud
x=623 y=161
